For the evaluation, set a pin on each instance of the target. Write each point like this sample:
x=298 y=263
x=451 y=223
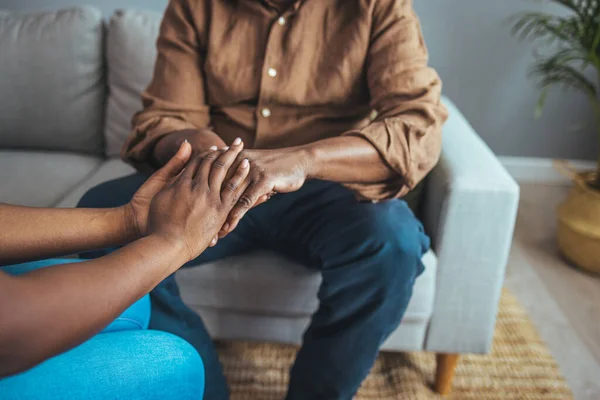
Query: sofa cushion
x=234 y=325
x=110 y=169
x=131 y=53
x=41 y=179
x=52 y=88
x=266 y=283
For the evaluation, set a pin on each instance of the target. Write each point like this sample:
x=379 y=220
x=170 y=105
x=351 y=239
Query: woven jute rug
x=519 y=367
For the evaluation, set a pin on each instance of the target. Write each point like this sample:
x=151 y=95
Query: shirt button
x=272 y=72
x=266 y=112
x=281 y=21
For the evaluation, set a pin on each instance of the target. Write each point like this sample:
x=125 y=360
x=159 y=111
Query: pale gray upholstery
x=52 y=86
x=264 y=282
x=279 y=292
x=469 y=208
x=108 y=170
x=470 y=212
x=230 y=324
x=131 y=53
x=35 y=178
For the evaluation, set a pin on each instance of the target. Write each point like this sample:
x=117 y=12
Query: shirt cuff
x=393 y=149
x=407 y=149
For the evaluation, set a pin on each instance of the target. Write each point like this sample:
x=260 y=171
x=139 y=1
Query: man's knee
x=395 y=240
x=113 y=193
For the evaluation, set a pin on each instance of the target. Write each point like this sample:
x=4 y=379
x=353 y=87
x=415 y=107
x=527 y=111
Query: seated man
x=298 y=82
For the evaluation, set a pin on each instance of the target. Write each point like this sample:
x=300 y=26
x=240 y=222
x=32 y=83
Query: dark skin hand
x=345 y=159
x=179 y=214
x=201 y=141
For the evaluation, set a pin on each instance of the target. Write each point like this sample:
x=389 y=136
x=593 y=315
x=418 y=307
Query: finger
x=231 y=191
x=192 y=167
x=210 y=149
x=190 y=171
x=172 y=168
x=225 y=231
x=213 y=242
x=247 y=200
x=231 y=194
x=176 y=164
x=231 y=224
x=201 y=175
x=222 y=165
x=262 y=200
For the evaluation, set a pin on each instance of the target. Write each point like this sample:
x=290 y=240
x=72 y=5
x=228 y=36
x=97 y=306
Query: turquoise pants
x=124 y=361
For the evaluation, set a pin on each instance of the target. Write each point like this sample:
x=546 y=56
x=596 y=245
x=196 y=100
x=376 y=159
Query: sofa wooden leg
x=446 y=364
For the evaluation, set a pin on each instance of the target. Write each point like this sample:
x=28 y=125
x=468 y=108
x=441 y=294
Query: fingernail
x=185 y=141
x=213 y=148
x=245 y=163
x=226 y=226
x=237 y=141
x=226 y=148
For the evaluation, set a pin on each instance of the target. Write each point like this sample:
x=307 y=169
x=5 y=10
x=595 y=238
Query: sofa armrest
x=470 y=211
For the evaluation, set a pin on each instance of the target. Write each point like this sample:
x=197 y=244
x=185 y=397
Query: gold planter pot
x=579 y=224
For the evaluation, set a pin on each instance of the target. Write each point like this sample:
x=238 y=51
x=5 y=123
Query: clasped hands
x=271 y=172
x=194 y=200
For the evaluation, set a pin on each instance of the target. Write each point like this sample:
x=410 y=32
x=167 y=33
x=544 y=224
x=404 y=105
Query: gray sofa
x=69 y=84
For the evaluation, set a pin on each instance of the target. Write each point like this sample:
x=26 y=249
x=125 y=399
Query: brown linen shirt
x=280 y=76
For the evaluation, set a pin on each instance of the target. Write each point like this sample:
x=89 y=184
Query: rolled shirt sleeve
x=175 y=99
x=406 y=94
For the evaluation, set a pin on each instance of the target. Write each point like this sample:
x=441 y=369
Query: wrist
x=310 y=160
x=130 y=230
x=200 y=140
x=176 y=248
x=203 y=139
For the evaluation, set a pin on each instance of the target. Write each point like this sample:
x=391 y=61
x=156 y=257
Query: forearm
x=346 y=159
x=49 y=311
x=201 y=141
x=37 y=233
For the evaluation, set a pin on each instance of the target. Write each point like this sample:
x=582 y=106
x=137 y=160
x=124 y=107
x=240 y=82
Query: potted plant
x=573 y=44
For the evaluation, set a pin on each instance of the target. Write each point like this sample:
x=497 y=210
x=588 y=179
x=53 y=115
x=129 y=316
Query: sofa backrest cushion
x=52 y=85
x=131 y=54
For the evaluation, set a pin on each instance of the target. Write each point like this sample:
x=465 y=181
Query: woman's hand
x=137 y=210
x=191 y=210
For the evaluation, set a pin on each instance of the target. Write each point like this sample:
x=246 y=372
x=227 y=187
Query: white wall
x=484 y=72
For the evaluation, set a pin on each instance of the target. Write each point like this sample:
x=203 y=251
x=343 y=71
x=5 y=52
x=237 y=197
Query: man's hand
x=136 y=211
x=200 y=140
x=271 y=171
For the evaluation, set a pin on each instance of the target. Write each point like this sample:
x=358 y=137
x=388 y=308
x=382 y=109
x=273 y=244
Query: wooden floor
x=563 y=302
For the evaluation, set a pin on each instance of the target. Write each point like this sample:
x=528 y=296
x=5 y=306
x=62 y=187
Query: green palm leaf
x=574 y=47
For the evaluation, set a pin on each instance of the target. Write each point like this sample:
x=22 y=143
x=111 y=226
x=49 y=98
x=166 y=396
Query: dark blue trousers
x=369 y=255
